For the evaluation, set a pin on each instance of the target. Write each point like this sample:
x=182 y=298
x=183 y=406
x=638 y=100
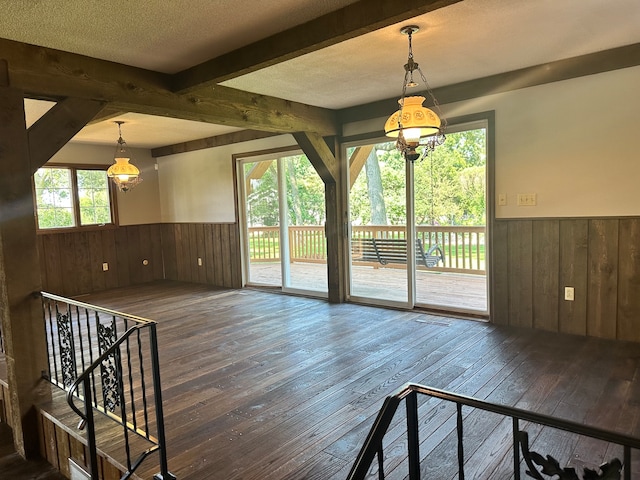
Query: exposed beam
x=107 y=113
x=210 y=142
x=320 y=156
x=356 y=162
x=589 y=64
x=54 y=129
x=324 y=161
x=4 y=73
x=258 y=170
x=46 y=73
x=351 y=21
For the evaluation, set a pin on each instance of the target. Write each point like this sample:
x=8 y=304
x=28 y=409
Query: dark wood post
x=20 y=280
x=325 y=163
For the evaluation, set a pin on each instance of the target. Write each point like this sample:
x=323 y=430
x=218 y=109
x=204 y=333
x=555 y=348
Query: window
x=68 y=197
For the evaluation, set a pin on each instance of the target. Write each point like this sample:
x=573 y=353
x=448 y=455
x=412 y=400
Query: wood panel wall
x=533 y=260
x=57 y=445
x=216 y=244
x=71 y=262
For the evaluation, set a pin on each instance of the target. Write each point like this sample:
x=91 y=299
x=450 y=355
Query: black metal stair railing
x=536 y=465
x=109 y=361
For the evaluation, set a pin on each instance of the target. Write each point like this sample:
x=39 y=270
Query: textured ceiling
x=467 y=40
x=165 y=36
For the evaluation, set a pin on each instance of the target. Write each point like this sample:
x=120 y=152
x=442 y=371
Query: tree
x=262 y=201
x=375 y=189
x=304 y=194
x=450 y=183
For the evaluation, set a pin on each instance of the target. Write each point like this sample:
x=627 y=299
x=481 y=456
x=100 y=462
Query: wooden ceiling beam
x=320 y=156
x=256 y=173
x=356 y=162
x=211 y=142
x=46 y=73
x=351 y=21
x=107 y=113
x=559 y=70
x=55 y=128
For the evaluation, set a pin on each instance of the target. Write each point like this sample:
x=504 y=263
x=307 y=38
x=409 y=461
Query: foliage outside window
x=68 y=197
x=449 y=184
x=304 y=193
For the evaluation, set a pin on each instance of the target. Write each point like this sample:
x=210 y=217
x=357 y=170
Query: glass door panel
x=284 y=211
x=304 y=203
x=262 y=213
x=378 y=219
x=450 y=223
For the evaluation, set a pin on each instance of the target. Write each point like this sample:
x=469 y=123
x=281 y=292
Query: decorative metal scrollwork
x=551 y=467
x=67 y=351
x=108 y=369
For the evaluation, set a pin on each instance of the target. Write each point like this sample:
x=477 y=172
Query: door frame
x=276 y=155
x=484 y=119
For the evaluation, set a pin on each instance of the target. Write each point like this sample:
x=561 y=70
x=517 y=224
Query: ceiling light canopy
x=413 y=121
x=124 y=174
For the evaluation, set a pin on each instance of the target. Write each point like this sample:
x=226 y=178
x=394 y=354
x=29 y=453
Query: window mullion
x=76 y=198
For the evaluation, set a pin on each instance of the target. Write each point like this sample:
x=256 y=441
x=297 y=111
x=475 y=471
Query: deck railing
x=463 y=246
x=108 y=361
x=535 y=463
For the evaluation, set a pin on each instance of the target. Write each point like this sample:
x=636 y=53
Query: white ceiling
x=467 y=40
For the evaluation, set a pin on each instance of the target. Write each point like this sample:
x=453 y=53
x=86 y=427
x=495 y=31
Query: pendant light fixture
x=413 y=122
x=124 y=174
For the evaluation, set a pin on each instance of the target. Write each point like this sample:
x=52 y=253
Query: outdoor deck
x=458 y=291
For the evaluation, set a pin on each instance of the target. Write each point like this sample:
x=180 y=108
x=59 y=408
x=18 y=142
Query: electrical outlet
x=105 y=266
x=569 y=294
x=199 y=261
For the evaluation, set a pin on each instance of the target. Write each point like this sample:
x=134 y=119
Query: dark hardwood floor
x=260 y=385
x=14 y=467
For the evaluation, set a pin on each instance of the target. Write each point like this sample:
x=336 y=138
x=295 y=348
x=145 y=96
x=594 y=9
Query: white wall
x=198 y=186
x=572 y=143
x=138 y=206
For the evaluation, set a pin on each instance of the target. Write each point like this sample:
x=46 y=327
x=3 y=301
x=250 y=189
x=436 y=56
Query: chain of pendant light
x=410 y=67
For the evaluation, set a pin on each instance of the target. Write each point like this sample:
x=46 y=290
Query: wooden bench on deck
x=394 y=250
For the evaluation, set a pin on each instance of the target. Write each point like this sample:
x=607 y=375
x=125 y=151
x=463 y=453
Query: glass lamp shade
x=417 y=121
x=124 y=174
x=123 y=170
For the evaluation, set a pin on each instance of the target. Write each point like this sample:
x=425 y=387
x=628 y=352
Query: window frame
x=73 y=168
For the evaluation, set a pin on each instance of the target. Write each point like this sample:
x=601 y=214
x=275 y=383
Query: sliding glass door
x=450 y=223
x=418 y=230
x=284 y=212
x=378 y=219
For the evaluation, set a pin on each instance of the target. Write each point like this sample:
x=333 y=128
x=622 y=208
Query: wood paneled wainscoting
x=217 y=245
x=534 y=260
x=71 y=263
